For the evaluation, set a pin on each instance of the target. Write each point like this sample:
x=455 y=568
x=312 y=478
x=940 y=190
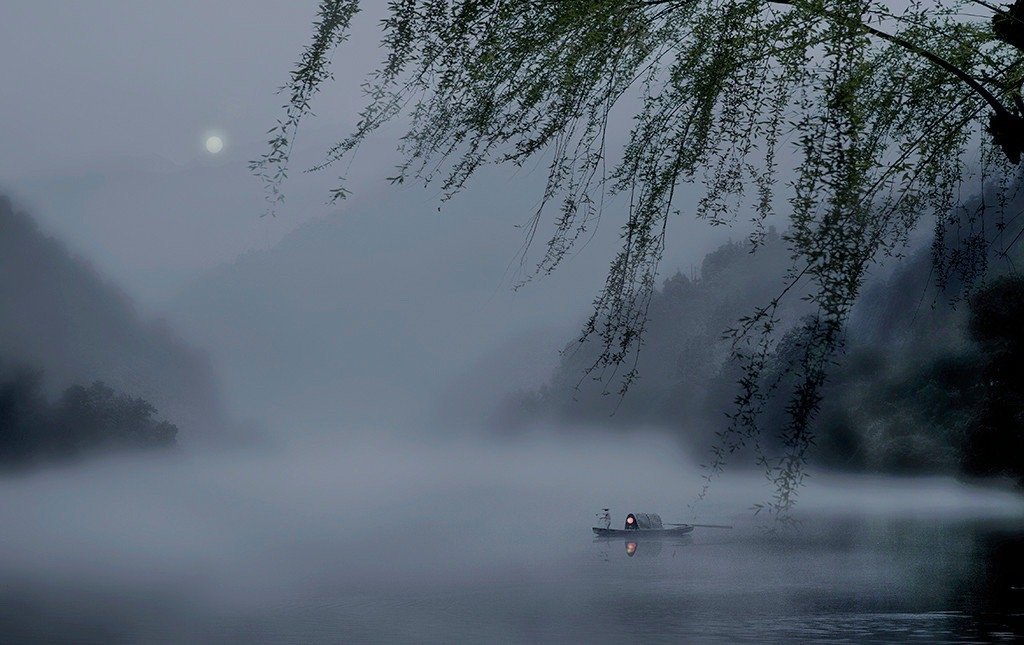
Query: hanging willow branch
x=875 y=112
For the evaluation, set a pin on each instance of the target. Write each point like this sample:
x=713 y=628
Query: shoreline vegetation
x=928 y=391
x=82 y=420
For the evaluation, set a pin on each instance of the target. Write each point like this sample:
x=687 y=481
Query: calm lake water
x=397 y=541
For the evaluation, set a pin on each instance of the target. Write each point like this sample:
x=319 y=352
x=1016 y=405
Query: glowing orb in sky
x=214 y=144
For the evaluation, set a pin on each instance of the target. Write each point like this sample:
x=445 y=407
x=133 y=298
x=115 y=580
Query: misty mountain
x=251 y=289
x=152 y=225
x=368 y=303
x=62 y=319
x=906 y=395
x=682 y=360
x=932 y=388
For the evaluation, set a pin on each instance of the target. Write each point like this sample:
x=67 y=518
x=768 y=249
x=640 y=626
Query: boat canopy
x=643 y=521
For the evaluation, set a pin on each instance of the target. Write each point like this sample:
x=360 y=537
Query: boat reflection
x=647 y=548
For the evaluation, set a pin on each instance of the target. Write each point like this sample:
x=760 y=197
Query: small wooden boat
x=631 y=533
x=644 y=525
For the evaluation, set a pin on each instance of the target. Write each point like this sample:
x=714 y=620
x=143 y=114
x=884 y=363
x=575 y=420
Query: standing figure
x=606 y=517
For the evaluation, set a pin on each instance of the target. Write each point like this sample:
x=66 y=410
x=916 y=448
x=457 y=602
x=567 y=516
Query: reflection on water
x=642 y=547
x=851 y=579
x=389 y=545
x=855 y=578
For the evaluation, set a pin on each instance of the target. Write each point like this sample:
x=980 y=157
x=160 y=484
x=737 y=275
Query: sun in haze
x=214 y=144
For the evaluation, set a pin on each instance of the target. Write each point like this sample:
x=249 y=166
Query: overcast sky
x=105 y=112
x=83 y=79
x=106 y=109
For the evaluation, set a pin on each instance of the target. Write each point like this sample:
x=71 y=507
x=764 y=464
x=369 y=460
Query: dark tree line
x=955 y=407
x=995 y=444
x=936 y=391
x=83 y=419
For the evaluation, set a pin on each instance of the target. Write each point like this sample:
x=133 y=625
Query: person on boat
x=606 y=517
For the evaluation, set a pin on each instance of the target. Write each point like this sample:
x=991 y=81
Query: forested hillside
x=925 y=388
x=64 y=327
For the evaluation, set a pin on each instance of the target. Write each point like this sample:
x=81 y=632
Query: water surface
x=397 y=539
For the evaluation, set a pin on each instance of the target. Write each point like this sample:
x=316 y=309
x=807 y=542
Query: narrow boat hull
x=643 y=533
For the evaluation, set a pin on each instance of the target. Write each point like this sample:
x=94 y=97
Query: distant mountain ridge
x=905 y=396
x=387 y=300
x=62 y=318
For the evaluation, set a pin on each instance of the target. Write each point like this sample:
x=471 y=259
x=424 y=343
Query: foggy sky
x=105 y=112
x=126 y=78
x=105 y=109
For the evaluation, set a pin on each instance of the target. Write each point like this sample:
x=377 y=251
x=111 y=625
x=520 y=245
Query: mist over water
x=400 y=535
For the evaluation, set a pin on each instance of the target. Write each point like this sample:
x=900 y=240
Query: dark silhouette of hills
x=927 y=382
x=63 y=323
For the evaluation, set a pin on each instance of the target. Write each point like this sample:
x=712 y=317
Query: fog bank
x=231 y=546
